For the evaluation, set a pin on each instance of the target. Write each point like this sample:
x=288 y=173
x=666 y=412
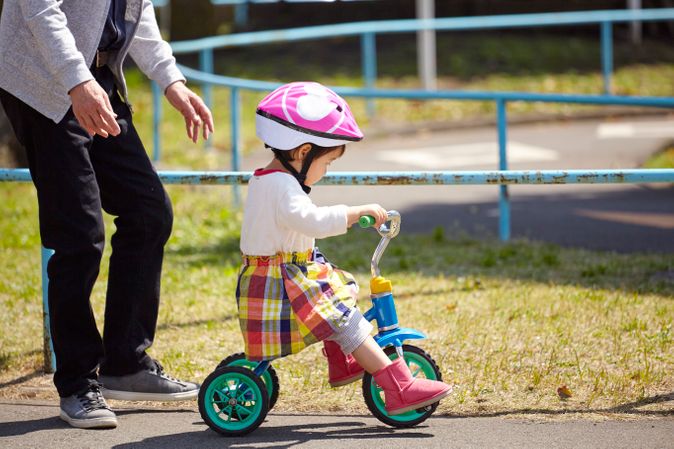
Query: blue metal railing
x=497 y=177
x=371 y=28
x=380 y=178
x=501 y=99
x=368 y=32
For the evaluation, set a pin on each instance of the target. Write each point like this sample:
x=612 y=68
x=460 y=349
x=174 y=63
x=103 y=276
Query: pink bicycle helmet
x=305 y=112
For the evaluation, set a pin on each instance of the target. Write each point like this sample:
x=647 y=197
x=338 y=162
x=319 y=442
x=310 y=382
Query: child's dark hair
x=285 y=157
x=317 y=150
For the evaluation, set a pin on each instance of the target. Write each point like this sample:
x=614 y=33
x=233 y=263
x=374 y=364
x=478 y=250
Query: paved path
x=607 y=217
x=35 y=425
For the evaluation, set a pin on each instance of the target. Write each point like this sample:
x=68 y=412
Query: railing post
x=607 y=55
x=156 y=121
x=206 y=65
x=369 y=61
x=235 y=108
x=635 y=25
x=165 y=20
x=241 y=15
x=504 y=199
x=48 y=346
x=426 y=47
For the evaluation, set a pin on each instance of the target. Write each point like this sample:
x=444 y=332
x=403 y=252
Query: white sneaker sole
x=91 y=423
x=137 y=396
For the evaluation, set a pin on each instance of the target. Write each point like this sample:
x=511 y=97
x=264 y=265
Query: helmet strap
x=306 y=164
x=301 y=176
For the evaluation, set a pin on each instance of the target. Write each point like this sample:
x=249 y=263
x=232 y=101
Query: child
x=289 y=296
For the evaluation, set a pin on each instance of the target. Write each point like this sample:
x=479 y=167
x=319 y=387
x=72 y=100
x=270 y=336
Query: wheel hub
x=232 y=402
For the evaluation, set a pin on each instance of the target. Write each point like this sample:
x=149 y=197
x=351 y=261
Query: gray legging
x=352 y=335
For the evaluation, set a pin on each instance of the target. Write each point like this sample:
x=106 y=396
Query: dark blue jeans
x=76 y=177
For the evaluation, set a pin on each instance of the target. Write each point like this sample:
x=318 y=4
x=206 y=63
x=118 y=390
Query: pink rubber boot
x=403 y=393
x=342 y=368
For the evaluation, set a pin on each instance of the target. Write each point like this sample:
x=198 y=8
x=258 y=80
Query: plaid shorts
x=289 y=301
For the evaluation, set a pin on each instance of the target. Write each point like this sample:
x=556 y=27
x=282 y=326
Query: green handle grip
x=366 y=221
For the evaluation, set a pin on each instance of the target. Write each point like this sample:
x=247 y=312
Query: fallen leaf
x=563 y=392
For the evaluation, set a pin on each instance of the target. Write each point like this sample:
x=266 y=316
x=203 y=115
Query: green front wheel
x=421 y=364
x=233 y=401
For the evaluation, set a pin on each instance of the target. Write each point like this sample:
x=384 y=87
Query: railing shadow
x=22 y=379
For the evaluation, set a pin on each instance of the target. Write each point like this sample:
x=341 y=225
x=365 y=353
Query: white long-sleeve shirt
x=280 y=217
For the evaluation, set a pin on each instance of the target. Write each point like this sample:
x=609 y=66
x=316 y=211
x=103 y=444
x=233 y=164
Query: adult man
x=62 y=86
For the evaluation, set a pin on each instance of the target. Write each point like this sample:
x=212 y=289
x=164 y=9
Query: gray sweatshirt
x=47 y=47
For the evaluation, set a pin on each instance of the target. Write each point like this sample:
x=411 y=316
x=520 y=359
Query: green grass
x=507 y=323
x=662 y=159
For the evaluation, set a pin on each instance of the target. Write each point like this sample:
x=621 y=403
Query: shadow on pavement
x=280 y=437
x=634 y=220
x=15 y=428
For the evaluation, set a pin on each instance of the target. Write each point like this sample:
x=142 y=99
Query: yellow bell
x=380 y=284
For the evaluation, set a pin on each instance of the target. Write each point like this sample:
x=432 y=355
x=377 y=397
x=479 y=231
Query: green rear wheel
x=421 y=364
x=269 y=377
x=233 y=401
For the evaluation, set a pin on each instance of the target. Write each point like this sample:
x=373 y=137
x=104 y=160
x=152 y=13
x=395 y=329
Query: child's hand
x=375 y=210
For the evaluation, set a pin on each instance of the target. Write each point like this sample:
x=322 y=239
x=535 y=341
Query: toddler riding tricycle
x=236 y=397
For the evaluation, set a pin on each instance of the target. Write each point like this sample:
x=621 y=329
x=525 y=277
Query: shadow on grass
x=224 y=253
x=22 y=379
x=197 y=323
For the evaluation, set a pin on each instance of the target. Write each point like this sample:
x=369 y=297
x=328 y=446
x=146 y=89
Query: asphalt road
x=36 y=425
x=624 y=218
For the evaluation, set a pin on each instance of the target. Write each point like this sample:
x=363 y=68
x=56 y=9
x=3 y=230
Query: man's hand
x=192 y=108
x=92 y=109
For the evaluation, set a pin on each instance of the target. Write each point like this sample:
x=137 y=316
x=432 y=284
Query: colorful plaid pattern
x=289 y=301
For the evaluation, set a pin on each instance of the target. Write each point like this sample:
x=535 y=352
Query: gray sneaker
x=148 y=385
x=88 y=410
